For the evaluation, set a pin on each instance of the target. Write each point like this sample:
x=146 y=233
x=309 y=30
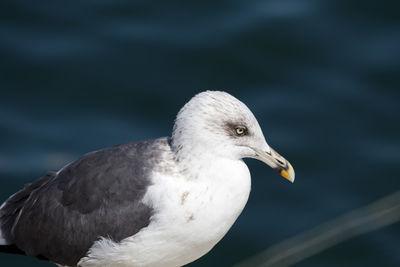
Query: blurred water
x=322 y=77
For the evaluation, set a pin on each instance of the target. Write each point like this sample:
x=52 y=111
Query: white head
x=218 y=123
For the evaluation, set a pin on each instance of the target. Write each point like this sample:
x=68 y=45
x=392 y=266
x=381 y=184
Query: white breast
x=191 y=216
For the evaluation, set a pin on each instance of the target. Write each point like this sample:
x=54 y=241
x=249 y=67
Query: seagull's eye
x=240 y=130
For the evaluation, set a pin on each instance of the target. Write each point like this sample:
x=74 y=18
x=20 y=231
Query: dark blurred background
x=322 y=77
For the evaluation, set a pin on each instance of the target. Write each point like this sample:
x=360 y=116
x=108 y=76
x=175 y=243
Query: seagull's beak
x=276 y=162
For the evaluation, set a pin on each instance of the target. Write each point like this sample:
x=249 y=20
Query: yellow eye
x=240 y=131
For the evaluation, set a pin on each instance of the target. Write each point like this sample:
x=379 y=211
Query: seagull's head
x=218 y=123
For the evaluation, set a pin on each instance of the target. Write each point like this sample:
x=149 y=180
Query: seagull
x=160 y=202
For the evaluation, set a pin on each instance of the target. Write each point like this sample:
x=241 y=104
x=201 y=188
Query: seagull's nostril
x=280 y=162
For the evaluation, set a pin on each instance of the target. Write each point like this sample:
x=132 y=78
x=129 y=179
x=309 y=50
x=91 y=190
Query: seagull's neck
x=194 y=159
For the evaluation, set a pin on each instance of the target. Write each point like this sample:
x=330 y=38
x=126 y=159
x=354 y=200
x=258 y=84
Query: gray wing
x=58 y=217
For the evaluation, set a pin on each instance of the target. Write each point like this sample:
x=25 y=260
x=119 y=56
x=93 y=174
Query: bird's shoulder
x=119 y=173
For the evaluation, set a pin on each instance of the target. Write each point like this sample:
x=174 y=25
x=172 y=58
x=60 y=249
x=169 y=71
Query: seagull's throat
x=194 y=159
